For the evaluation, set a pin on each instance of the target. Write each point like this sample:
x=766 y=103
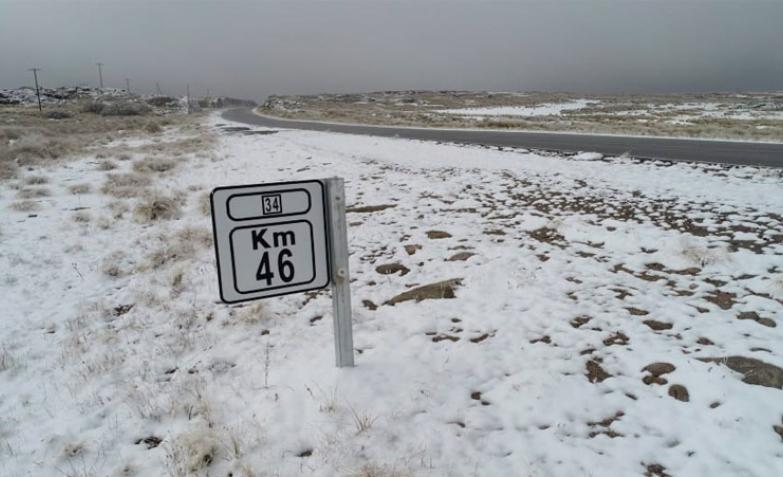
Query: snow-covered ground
x=546 y=109
x=587 y=294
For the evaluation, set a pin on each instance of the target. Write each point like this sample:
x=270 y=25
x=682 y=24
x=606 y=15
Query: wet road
x=722 y=152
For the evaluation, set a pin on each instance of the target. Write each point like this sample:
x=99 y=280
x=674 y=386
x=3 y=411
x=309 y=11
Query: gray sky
x=252 y=49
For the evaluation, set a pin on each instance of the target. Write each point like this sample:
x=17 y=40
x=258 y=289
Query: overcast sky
x=254 y=48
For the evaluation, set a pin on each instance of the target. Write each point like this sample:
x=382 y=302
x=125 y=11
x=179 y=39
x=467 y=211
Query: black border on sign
x=234 y=261
x=326 y=227
x=262 y=194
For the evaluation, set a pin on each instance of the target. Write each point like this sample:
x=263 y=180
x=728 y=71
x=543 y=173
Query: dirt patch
x=547 y=235
x=656 y=470
x=595 y=373
x=433 y=291
x=580 y=320
x=606 y=425
x=724 y=300
x=752 y=315
x=637 y=311
x=618 y=338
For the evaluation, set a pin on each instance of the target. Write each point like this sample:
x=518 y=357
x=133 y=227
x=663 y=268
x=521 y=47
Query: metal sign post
x=281 y=238
x=338 y=261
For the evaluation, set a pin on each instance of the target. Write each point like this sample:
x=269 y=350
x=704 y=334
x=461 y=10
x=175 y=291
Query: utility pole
x=127 y=86
x=100 y=74
x=157 y=86
x=37 y=89
x=187 y=97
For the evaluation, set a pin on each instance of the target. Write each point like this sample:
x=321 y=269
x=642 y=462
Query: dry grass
x=33 y=193
x=25 y=206
x=191 y=452
x=36 y=180
x=78 y=189
x=154 y=164
x=106 y=165
x=124 y=185
x=157 y=208
x=82 y=217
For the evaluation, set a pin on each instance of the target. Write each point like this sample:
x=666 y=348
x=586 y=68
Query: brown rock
x=369 y=305
x=679 y=392
x=460 y=257
x=437 y=234
x=411 y=249
x=391 y=268
x=660 y=368
x=657 y=325
x=754 y=371
x=433 y=291
x=752 y=315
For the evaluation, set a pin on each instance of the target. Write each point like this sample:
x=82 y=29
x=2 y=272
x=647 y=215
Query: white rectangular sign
x=270 y=239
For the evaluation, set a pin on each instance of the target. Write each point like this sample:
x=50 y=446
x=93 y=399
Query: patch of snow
x=545 y=109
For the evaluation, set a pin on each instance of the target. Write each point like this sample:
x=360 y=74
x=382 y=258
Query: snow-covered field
x=546 y=109
x=597 y=308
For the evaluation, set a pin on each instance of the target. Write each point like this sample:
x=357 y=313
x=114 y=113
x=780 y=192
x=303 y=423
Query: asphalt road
x=721 y=152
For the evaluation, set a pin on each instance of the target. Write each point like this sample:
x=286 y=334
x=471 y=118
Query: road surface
x=721 y=152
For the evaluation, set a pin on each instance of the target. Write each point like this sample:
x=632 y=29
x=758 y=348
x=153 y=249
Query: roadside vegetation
x=752 y=116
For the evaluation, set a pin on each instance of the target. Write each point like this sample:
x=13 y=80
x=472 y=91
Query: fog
x=253 y=49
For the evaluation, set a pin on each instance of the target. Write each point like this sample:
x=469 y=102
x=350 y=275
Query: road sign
x=270 y=239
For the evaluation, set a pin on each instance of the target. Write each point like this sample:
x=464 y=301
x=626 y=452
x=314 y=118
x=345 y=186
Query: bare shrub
x=375 y=470
x=8 y=170
x=247 y=315
x=154 y=164
x=35 y=180
x=191 y=452
x=157 y=208
x=106 y=165
x=125 y=185
x=116 y=264
x=198 y=236
x=7 y=360
x=25 y=205
x=77 y=189
x=153 y=128
x=81 y=217
x=118 y=208
x=204 y=204
x=33 y=193
x=171 y=252
x=34 y=149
